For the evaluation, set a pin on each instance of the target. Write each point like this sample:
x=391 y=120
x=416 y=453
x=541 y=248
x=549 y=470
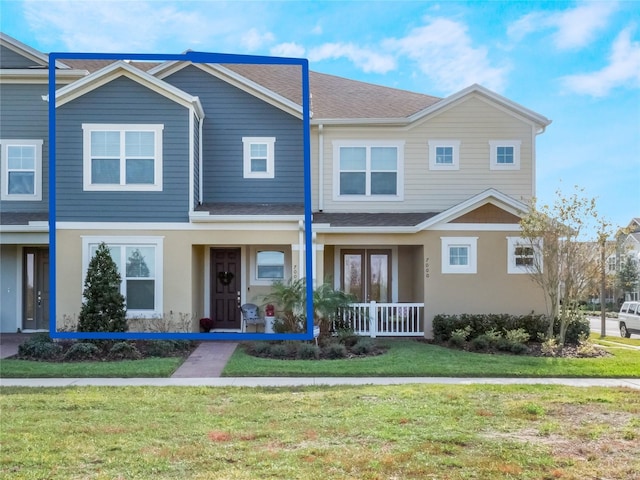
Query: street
x=611 y=326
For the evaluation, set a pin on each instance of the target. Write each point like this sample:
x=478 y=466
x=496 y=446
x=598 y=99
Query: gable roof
x=118 y=69
x=28 y=52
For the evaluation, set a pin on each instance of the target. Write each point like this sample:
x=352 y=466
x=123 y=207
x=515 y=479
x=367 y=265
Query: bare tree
x=563 y=263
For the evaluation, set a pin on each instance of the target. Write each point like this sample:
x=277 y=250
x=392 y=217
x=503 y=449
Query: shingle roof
x=332 y=97
x=372 y=219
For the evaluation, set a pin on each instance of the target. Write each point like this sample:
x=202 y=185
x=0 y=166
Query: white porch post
x=373 y=319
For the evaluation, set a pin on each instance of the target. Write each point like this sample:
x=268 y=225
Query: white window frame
x=37 y=178
x=471 y=243
x=512 y=267
x=88 y=128
x=493 y=147
x=454 y=145
x=254 y=280
x=247 y=142
x=131 y=241
x=368 y=197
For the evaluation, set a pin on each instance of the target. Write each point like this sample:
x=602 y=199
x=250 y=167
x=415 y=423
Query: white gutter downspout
x=314 y=275
x=191 y=160
x=301 y=248
x=201 y=161
x=320 y=167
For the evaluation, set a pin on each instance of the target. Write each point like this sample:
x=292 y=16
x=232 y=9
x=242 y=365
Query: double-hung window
x=122 y=157
x=459 y=254
x=444 y=154
x=259 y=157
x=139 y=262
x=21 y=177
x=368 y=170
x=505 y=154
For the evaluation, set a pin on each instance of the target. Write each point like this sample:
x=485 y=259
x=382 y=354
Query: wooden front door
x=225 y=288
x=35 y=289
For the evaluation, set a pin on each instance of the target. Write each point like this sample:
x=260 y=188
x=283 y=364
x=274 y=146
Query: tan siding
x=474 y=122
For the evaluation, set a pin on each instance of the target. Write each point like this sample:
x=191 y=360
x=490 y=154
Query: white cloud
x=366 y=59
x=623 y=69
x=290 y=49
x=444 y=52
x=574 y=28
x=115 y=27
x=254 y=40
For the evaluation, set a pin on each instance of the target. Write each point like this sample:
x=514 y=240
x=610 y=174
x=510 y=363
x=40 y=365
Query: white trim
x=256 y=224
x=470 y=243
x=27 y=52
x=368 y=196
x=512 y=268
x=479 y=227
x=156 y=129
x=454 y=145
x=493 y=154
x=126 y=241
x=37 y=170
x=247 y=143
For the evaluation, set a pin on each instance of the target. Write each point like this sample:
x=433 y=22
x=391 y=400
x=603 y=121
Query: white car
x=629 y=319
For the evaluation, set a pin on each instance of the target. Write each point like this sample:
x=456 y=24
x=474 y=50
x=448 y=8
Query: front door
x=366 y=273
x=35 y=289
x=225 y=288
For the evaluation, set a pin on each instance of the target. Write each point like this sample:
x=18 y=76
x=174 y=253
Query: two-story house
x=193 y=175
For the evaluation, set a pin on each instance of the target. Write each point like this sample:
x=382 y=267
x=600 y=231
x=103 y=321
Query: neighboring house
x=628 y=248
x=193 y=174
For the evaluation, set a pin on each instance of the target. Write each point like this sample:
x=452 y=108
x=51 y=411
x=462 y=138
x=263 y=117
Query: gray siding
x=122 y=101
x=230 y=115
x=24 y=115
x=11 y=59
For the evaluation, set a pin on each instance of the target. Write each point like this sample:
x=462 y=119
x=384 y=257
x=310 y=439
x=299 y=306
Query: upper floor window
x=459 y=254
x=505 y=154
x=259 y=157
x=444 y=154
x=122 y=157
x=21 y=176
x=368 y=170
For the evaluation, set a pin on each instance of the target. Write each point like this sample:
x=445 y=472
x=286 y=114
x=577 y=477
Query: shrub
x=363 y=346
x=577 y=326
x=586 y=348
x=259 y=349
x=518 y=335
x=480 y=343
x=160 y=348
x=308 y=351
x=445 y=325
x=40 y=347
x=82 y=351
x=279 y=350
x=335 y=350
x=550 y=347
x=518 y=348
x=494 y=337
x=123 y=351
x=458 y=337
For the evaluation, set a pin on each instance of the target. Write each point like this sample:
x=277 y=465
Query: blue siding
x=230 y=115
x=122 y=101
x=11 y=59
x=24 y=115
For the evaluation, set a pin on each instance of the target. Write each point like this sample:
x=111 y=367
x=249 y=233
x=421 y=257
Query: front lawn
x=412 y=358
x=368 y=432
x=148 y=367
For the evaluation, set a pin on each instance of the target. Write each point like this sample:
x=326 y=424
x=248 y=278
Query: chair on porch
x=250 y=316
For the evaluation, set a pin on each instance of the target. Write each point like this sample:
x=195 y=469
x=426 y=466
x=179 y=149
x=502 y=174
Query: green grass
x=625 y=341
x=371 y=432
x=408 y=358
x=149 y=367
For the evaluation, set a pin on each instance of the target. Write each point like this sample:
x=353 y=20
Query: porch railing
x=383 y=319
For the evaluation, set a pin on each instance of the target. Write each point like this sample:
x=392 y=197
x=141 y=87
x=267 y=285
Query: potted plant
x=206 y=324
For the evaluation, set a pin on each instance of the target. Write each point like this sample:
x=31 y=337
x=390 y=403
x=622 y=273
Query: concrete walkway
x=207 y=360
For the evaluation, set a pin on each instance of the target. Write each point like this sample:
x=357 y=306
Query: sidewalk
x=310 y=381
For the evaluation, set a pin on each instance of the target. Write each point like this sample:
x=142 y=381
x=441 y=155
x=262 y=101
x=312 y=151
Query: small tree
x=103 y=309
x=628 y=275
x=563 y=265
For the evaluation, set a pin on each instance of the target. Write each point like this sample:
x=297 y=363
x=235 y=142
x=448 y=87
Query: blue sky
x=577 y=63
